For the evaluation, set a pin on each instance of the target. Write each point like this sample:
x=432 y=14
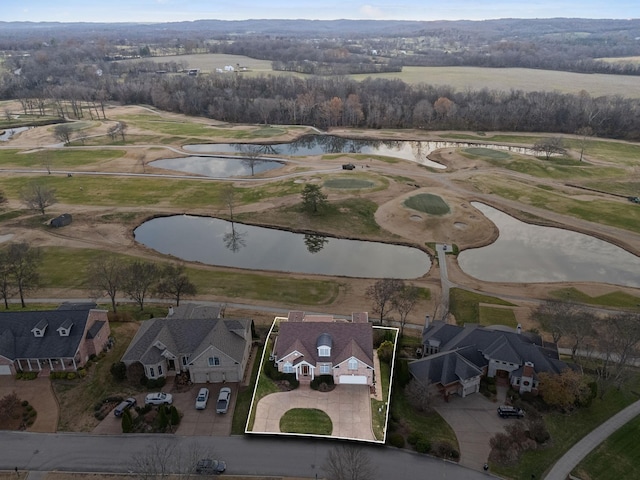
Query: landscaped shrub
x=71 y=376
x=403 y=376
x=396 y=440
x=135 y=373
x=162 y=420
x=174 y=415
x=143 y=410
x=24 y=403
x=26 y=375
x=423 y=445
x=326 y=380
x=127 y=422
x=155 y=383
x=445 y=450
x=413 y=438
x=385 y=351
x=118 y=371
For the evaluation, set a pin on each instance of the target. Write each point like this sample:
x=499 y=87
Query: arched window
x=353 y=364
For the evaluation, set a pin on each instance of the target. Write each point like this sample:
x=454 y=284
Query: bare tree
x=47 y=161
x=106 y=276
x=549 y=146
x=584 y=132
x=62 y=132
x=7 y=288
x=38 y=196
x=139 y=278
x=382 y=293
x=565 y=320
x=251 y=155
x=348 y=462
x=404 y=301
x=617 y=342
x=228 y=195
x=163 y=459
x=419 y=394
x=22 y=263
x=175 y=283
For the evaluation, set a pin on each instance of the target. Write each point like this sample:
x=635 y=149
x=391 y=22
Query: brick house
x=52 y=340
x=312 y=345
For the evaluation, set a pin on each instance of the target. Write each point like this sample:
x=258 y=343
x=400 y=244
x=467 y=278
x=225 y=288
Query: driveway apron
x=39 y=394
x=348 y=407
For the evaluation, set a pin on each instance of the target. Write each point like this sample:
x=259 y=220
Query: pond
x=217 y=167
x=526 y=253
x=6 y=135
x=413 y=151
x=219 y=242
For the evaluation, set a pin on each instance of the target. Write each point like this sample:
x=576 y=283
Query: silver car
x=224 y=397
x=158 y=398
x=202 y=398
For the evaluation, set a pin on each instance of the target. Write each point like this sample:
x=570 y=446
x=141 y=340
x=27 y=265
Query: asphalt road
x=244 y=455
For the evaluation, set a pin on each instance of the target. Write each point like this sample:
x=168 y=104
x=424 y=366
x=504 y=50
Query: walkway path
x=580 y=450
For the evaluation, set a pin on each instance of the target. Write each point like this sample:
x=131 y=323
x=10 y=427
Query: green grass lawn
x=614 y=299
x=427 y=203
x=57 y=159
x=497 y=316
x=465 y=305
x=306 y=420
x=618 y=457
x=348 y=183
x=567 y=429
x=487 y=153
x=379 y=407
x=243 y=399
x=65 y=268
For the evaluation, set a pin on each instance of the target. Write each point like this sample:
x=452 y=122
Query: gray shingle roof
x=17 y=339
x=187 y=336
x=445 y=368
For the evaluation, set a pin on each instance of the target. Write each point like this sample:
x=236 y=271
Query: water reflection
x=526 y=253
x=315 y=242
x=217 y=167
x=235 y=239
x=414 y=151
x=216 y=242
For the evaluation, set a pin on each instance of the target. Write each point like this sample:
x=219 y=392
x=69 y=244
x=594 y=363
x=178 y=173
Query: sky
x=186 y=10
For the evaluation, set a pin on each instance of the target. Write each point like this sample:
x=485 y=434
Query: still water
x=217 y=167
x=10 y=132
x=219 y=242
x=413 y=151
x=526 y=253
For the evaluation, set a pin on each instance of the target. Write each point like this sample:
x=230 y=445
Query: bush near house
x=323 y=383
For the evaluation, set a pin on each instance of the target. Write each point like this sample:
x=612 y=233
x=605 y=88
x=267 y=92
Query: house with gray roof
x=312 y=345
x=193 y=339
x=52 y=340
x=456 y=357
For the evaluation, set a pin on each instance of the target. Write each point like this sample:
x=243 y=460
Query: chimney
x=170 y=312
x=519 y=329
x=427 y=321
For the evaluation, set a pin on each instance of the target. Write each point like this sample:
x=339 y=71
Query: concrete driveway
x=40 y=395
x=194 y=422
x=474 y=420
x=348 y=406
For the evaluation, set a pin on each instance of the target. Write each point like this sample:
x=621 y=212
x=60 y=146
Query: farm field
x=460 y=78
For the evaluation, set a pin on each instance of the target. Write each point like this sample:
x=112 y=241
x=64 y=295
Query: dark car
x=124 y=405
x=208 y=466
x=348 y=166
x=506 y=411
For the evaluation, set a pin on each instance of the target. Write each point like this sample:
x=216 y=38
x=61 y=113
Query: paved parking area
x=194 y=422
x=38 y=393
x=348 y=406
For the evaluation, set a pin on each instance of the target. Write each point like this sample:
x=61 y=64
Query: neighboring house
x=312 y=345
x=52 y=340
x=455 y=358
x=192 y=339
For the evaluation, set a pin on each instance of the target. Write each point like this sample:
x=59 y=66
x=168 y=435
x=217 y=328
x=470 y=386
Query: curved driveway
x=348 y=406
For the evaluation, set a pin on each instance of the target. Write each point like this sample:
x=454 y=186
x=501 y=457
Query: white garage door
x=353 y=380
x=5 y=370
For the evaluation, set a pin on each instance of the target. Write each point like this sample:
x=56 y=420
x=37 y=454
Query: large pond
x=219 y=242
x=217 y=167
x=326 y=144
x=526 y=253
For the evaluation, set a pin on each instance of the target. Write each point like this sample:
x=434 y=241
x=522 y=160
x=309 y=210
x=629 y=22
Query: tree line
x=107 y=275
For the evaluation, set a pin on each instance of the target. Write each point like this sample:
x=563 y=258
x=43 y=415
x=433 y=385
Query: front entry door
x=305 y=370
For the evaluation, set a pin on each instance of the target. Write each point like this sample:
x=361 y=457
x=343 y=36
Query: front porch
x=44 y=366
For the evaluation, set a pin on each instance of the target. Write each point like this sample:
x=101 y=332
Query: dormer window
x=324 y=345
x=353 y=364
x=40 y=328
x=65 y=329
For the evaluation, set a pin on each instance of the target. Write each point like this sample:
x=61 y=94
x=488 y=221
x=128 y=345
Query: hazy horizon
x=160 y=11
